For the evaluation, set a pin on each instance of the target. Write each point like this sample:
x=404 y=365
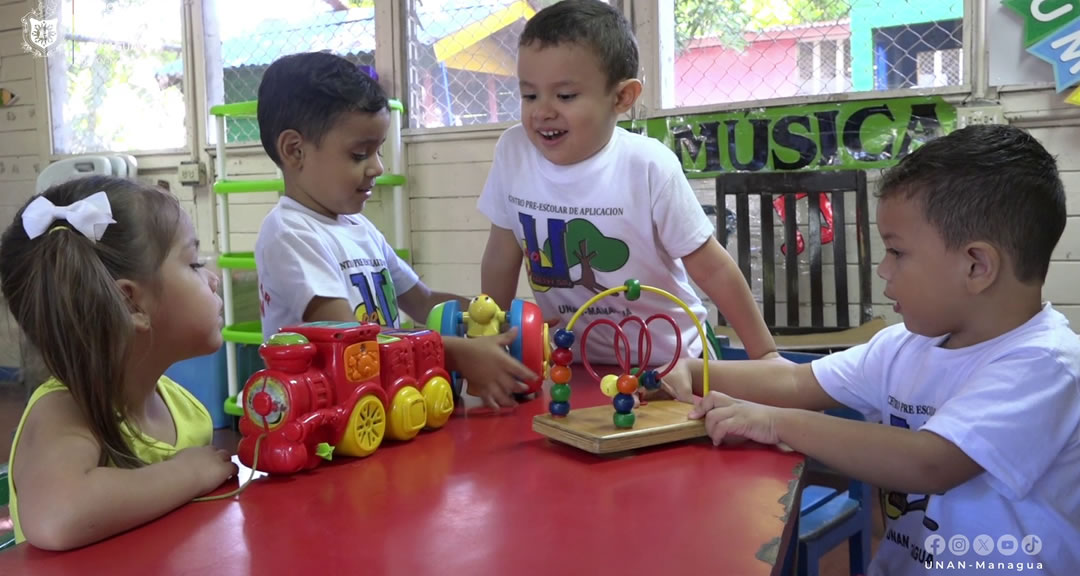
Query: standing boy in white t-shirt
x=590 y=205
x=978 y=388
x=322 y=122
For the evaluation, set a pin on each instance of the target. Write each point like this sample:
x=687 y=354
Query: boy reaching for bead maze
x=978 y=389
x=568 y=189
x=322 y=122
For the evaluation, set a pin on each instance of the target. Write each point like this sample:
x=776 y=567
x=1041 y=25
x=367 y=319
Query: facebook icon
x=935 y=543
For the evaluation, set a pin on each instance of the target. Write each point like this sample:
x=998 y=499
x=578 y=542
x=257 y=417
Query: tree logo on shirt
x=896 y=504
x=569 y=245
x=379 y=301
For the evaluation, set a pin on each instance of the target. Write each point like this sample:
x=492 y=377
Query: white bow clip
x=90 y=216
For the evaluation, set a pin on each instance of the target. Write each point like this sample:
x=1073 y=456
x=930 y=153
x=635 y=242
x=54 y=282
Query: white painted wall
x=20 y=140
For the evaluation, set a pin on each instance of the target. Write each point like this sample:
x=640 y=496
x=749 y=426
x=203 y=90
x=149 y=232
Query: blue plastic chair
x=827 y=516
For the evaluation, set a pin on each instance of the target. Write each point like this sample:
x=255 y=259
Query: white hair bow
x=90 y=216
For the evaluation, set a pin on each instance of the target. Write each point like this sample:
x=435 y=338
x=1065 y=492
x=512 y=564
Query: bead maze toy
x=484 y=317
x=598 y=429
x=340 y=387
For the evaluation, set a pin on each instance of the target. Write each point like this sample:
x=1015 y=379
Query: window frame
x=401 y=74
x=168 y=156
x=972 y=85
x=392 y=66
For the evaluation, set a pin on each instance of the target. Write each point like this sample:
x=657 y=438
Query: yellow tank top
x=193 y=428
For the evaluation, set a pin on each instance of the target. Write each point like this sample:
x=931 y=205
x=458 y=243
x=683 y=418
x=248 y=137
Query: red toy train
x=340 y=387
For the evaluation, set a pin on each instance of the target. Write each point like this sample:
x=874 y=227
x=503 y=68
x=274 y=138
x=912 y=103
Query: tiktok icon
x=1031 y=544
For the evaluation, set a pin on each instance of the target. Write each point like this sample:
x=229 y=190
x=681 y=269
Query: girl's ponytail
x=61 y=286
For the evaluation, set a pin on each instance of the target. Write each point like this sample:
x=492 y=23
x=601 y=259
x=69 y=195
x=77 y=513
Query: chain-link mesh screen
x=245 y=36
x=109 y=83
x=743 y=50
x=462 y=60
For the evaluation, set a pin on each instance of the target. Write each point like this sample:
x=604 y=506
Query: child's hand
x=492 y=373
x=726 y=416
x=678 y=384
x=210 y=466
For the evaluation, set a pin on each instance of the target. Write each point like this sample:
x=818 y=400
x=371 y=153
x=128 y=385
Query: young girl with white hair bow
x=104 y=277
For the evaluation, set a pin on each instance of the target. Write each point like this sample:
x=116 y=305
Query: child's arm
x=776 y=382
x=329 y=309
x=501 y=266
x=492 y=374
x=418 y=301
x=713 y=269
x=66 y=500
x=893 y=458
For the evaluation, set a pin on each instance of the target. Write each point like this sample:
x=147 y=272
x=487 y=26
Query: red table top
x=484 y=495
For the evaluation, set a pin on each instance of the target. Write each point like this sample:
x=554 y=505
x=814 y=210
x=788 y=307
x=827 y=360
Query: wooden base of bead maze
x=590 y=429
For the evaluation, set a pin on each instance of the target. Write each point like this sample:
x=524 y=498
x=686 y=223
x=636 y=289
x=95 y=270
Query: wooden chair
x=840 y=187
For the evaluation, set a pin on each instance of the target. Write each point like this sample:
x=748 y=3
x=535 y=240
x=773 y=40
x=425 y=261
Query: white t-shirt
x=626 y=212
x=301 y=254
x=1012 y=404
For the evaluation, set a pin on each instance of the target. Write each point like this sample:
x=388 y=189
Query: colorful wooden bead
x=559 y=408
x=609 y=385
x=650 y=380
x=623 y=420
x=562 y=357
x=564 y=338
x=624 y=403
x=633 y=289
x=560 y=374
x=627 y=383
x=560 y=393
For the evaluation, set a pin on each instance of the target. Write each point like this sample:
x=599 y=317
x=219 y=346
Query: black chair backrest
x=767 y=186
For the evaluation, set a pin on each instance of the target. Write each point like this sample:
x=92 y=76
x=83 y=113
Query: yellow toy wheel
x=365 y=429
x=439 y=400
x=408 y=414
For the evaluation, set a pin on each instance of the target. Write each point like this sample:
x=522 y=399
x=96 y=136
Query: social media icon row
x=983 y=544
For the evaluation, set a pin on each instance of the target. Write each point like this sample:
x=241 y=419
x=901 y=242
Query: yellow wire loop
x=669 y=296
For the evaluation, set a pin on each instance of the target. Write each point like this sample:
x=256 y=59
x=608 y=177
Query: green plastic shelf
x=390 y=180
x=236 y=109
x=232 y=408
x=248 y=186
x=251 y=108
x=278 y=185
x=237 y=260
x=243 y=333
